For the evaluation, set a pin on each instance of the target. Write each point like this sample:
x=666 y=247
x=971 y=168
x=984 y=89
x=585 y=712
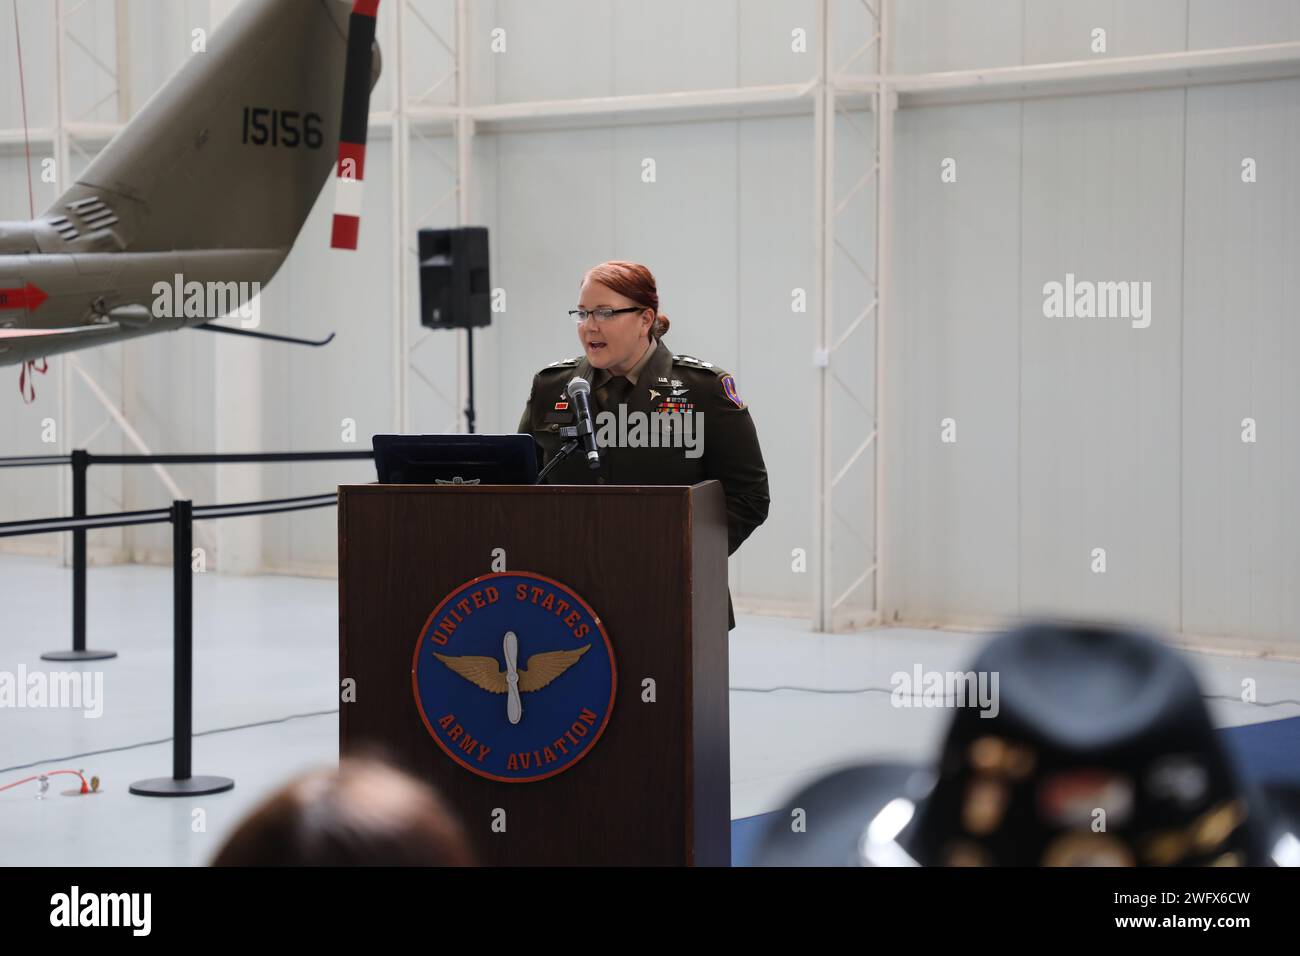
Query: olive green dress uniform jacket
x=727 y=439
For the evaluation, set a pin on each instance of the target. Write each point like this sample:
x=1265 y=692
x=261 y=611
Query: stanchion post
x=80 y=466
x=181 y=783
x=182 y=638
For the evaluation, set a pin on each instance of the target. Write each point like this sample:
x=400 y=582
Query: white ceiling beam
x=1081 y=77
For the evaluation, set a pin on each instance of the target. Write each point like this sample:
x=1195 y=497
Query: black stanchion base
x=78 y=655
x=189 y=787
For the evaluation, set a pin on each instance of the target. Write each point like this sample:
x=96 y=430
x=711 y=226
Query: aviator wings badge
x=485 y=673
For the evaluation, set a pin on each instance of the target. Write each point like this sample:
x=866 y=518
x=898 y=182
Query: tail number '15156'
x=282 y=128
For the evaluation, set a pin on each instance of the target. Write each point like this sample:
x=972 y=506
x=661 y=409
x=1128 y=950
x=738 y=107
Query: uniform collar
x=652 y=366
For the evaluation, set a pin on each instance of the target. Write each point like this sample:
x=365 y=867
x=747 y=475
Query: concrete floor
x=265 y=706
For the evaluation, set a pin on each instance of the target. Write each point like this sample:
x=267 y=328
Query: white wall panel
x=772 y=352
x=1099 y=460
x=1063 y=29
x=952 y=546
x=36 y=26
x=1241 y=520
x=558 y=49
x=937 y=35
x=1219 y=23
x=1127 y=439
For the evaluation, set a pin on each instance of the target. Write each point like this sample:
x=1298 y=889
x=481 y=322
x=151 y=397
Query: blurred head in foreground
x=1096 y=750
x=364 y=813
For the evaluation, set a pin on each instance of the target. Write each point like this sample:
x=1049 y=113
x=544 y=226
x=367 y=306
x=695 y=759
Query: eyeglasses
x=602 y=315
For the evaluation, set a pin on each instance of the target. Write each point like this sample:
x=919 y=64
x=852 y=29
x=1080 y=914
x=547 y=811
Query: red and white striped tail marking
x=349 y=177
x=350 y=171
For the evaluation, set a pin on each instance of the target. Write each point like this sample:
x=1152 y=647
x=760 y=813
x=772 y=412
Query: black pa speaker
x=454 y=289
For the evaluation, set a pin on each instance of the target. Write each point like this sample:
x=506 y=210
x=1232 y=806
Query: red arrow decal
x=28 y=299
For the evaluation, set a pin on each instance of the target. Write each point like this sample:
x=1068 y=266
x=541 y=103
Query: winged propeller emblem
x=486 y=672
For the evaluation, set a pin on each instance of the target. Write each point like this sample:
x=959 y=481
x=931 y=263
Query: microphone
x=578 y=389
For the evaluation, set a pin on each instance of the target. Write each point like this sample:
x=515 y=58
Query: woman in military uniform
x=631 y=371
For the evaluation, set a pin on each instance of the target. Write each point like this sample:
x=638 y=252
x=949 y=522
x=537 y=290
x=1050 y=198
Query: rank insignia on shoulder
x=729 y=387
x=561 y=362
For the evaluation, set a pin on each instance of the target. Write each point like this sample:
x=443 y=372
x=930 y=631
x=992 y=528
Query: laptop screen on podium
x=456 y=459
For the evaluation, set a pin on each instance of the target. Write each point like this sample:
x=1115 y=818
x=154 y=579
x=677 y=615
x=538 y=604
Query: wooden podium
x=651 y=563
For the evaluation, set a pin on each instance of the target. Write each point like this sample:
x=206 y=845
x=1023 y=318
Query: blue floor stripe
x=1267 y=752
x=745 y=834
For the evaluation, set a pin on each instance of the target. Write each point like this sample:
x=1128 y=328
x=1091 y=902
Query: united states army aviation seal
x=514 y=676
